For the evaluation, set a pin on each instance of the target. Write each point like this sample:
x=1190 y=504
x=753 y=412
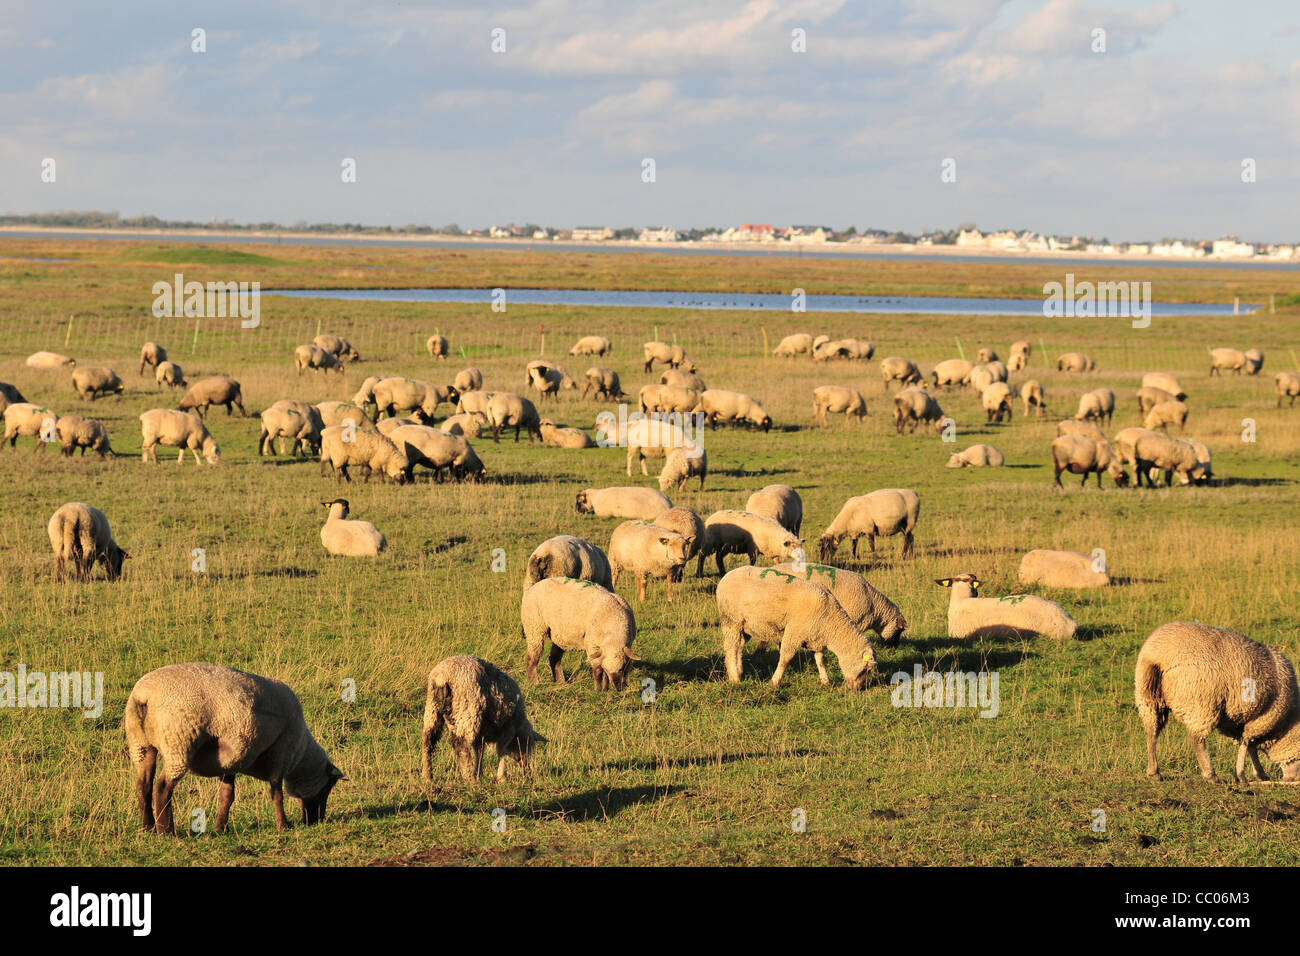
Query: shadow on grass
x=448 y=544
x=287 y=573
x=941 y=651
x=603 y=802
x=1249 y=482
x=703 y=760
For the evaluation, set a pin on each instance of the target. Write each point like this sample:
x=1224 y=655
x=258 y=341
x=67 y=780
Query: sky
x=1142 y=141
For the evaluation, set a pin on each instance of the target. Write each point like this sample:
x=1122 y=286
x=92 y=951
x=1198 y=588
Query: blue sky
x=1142 y=141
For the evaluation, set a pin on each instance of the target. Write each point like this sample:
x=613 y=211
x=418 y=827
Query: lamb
x=798 y=344
x=1061 y=569
x=867 y=608
x=341 y=448
x=781 y=503
x=170 y=374
x=35 y=421
x=438 y=346
x=1211 y=678
x=9 y=395
x=76 y=432
x=1075 y=362
x=299 y=422
x=771 y=606
x=216 y=390
x=1226 y=359
x=1254 y=361
x=739 y=532
x=313 y=356
x=898 y=369
x=176 y=429
x=687 y=524
x=548 y=379
x=427 y=446
x=50 y=360
x=218 y=722
x=1287 y=385
x=836 y=399
x=1149 y=397
x=153 y=355
x=80 y=534
x=466 y=425
x=645 y=504
x=1031 y=393
x=673 y=356
x=1019 y=358
x=1016 y=615
x=350 y=539
x=996 y=399
x=340 y=413
x=91 y=380
x=567 y=556
x=393 y=395
x=682 y=379
x=337 y=346
x=680 y=467
x=952 y=372
x=977 y=456
x=1074 y=427
x=1165 y=414
x=914 y=405
x=719 y=404
x=557 y=436
x=468 y=380
x=579 y=616
x=1098 y=404
x=667 y=398
x=592 y=345
x=648 y=551
x=883 y=513
x=505 y=409
x=603 y=382
x=1080 y=455
x=476 y=703
x=1165 y=381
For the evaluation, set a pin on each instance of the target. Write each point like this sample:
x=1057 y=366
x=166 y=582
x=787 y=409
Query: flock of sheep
x=217 y=722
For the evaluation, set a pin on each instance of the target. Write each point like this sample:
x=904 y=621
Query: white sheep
x=996 y=400
x=81 y=534
x=1062 y=569
x=475 y=703
x=1071 y=426
x=423 y=445
x=50 y=360
x=1075 y=362
x=337 y=346
x=1165 y=414
x=592 y=345
x=645 y=504
x=1019 y=357
x=866 y=607
x=1016 y=615
x=673 y=356
x=1288 y=386
x=652 y=437
x=315 y=357
x=1031 y=393
x=680 y=467
x=667 y=398
x=896 y=369
x=718 y=404
x=340 y=413
x=913 y=405
x=646 y=551
x=1149 y=397
x=836 y=399
x=579 y=616
x=739 y=532
x=170 y=374
x=468 y=380
x=288 y=418
x=92 y=380
x=689 y=525
x=1098 y=404
x=798 y=344
x=603 y=383
x=548 y=379
x=215 y=390
x=341 y=447
x=781 y=503
x=557 y=436
x=682 y=379
x=177 y=429
x=505 y=409
x=977 y=456
x=438 y=346
x=153 y=355
x=952 y=372
x=1080 y=455
x=882 y=513
x=568 y=556
x=76 y=432
x=350 y=539
x=1165 y=381
x=1222 y=360
x=30 y=420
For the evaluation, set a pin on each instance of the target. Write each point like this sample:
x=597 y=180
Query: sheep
x=977 y=456
x=883 y=513
x=313 y=356
x=647 y=551
x=170 y=374
x=645 y=504
x=1016 y=615
x=505 y=409
x=579 y=616
x=603 y=382
x=1287 y=385
x=836 y=399
x=1229 y=359
x=1211 y=678
x=914 y=405
x=844 y=348
x=427 y=446
x=819 y=341
x=9 y=395
x=986 y=355
x=474 y=403
x=468 y=380
x=1165 y=381
x=393 y=395
x=216 y=390
x=798 y=344
x=1149 y=397
x=337 y=346
x=952 y=372
x=81 y=534
x=1075 y=362
x=475 y=703
x=341 y=447
x=299 y=422
x=1147 y=450
x=153 y=355
x=340 y=413
x=1072 y=426
x=387 y=426
x=667 y=398
x=1080 y=455
x=1061 y=569
x=771 y=606
x=901 y=370
x=1165 y=414
x=350 y=539
x=687 y=524
x=177 y=429
x=680 y=467
x=739 y=532
x=568 y=556
x=682 y=379
x=651 y=437
x=781 y=503
x=467 y=425
x=1019 y=357
x=50 y=360
x=548 y=379
x=1254 y=361
x=558 y=437
x=1204 y=463
x=76 y=432
x=1098 y=404
x=218 y=722
x=1031 y=393
x=89 y=381
x=996 y=399
x=719 y=404
x=438 y=346
x=982 y=376
x=366 y=393
x=673 y=356
x=35 y=421
x=867 y=608
x=592 y=345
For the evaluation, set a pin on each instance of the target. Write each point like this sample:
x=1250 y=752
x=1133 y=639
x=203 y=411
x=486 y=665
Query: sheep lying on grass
x=1016 y=615
x=739 y=532
x=81 y=534
x=579 y=616
x=1211 y=678
x=866 y=607
x=977 y=456
x=218 y=722
x=50 y=360
x=882 y=513
x=350 y=539
x=645 y=504
x=167 y=426
x=1062 y=569
x=30 y=420
x=475 y=703
x=557 y=436
x=91 y=381
x=567 y=556
x=781 y=503
x=76 y=432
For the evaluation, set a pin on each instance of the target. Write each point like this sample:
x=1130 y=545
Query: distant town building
x=750 y=232
x=592 y=233
x=970 y=237
x=809 y=234
x=663 y=234
x=541 y=234
x=1230 y=247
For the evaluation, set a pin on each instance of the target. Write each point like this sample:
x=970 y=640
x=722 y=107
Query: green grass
x=711 y=772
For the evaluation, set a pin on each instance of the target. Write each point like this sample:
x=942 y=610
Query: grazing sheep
x=438 y=346
x=682 y=379
x=475 y=403
x=1288 y=386
x=1072 y=426
x=153 y=355
x=216 y=390
x=1075 y=362
x=798 y=344
x=1165 y=414
x=592 y=345
x=1098 y=404
x=1147 y=450
x=80 y=534
x=1080 y=455
x=288 y=418
x=882 y=513
x=341 y=448
x=505 y=409
x=579 y=616
x=176 y=429
x=986 y=355
x=1061 y=569
x=900 y=370
x=468 y=380
x=717 y=404
x=866 y=607
x=781 y=503
x=1165 y=381
x=914 y=405
x=170 y=374
x=647 y=551
x=9 y=395
x=1016 y=615
x=1019 y=358
x=366 y=393
x=1226 y=359
x=645 y=504
x=689 y=525
x=982 y=376
x=1211 y=678
x=1031 y=393
x=977 y=456
x=771 y=606
x=1149 y=397
x=996 y=399
x=76 y=432
x=350 y=539
x=216 y=722
x=340 y=413
x=548 y=379
x=673 y=356
x=394 y=395
x=91 y=380
x=819 y=341
x=423 y=445
x=604 y=383
x=559 y=437
x=568 y=556
x=387 y=426
x=1254 y=361
x=836 y=399
x=853 y=349
x=467 y=425
x=475 y=703
x=50 y=360
x=337 y=346
x=313 y=356
x=952 y=372
x=680 y=467
x=739 y=532
x=1204 y=464
x=35 y=421
x=667 y=398
x=652 y=437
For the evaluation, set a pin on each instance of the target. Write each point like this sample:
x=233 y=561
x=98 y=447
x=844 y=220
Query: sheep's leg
x=478 y=758
x=226 y=800
x=144 y=781
x=557 y=672
x=277 y=798
x=197 y=459
x=820 y=658
x=1059 y=469
x=640 y=588
x=180 y=459
x=670 y=587
x=1203 y=758
x=722 y=568
x=733 y=644
x=162 y=801
x=531 y=659
x=1253 y=753
x=788 y=649
x=428 y=742
x=908 y=542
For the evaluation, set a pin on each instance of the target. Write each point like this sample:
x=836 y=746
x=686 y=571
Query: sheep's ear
x=946 y=582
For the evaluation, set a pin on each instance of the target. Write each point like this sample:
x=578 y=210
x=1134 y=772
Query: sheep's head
x=313 y=807
x=765 y=423
x=856 y=669
x=677 y=547
x=827 y=544
x=964 y=585
x=211 y=450
x=113 y=561
x=344 y=507
x=611 y=669
x=893 y=628
x=582 y=504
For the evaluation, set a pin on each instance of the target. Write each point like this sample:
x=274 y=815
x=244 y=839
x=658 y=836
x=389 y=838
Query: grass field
x=710 y=772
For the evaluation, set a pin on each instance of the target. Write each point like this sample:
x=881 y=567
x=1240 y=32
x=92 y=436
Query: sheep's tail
x=436 y=709
x=1148 y=694
x=137 y=742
